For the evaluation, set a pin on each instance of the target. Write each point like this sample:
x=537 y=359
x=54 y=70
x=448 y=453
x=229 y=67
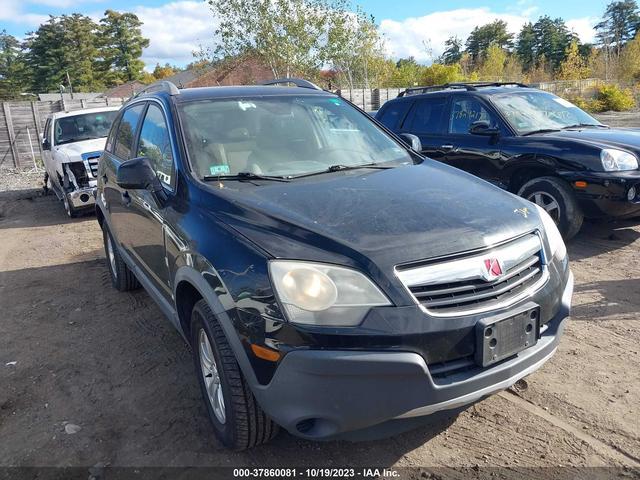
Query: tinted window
x=155 y=144
x=465 y=111
x=282 y=135
x=47 y=130
x=426 y=116
x=393 y=114
x=126 y=131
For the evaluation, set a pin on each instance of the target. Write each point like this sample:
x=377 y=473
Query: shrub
x=614 y=98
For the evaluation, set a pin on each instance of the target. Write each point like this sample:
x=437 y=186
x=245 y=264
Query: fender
x=197 y=281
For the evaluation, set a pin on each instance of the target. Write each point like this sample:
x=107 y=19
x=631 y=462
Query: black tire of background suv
x=571 y=216
x=246 y=424
x=123 y=278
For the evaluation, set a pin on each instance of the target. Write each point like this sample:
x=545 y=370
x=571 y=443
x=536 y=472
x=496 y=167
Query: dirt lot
x=75 y=351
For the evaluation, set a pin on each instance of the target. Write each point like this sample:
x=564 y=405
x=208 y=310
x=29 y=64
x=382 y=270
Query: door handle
x=126 y=199
x=446 y=146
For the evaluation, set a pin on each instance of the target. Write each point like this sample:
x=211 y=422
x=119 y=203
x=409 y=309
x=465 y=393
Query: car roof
x=73 y=113
x=206 y=93
x=482 y=91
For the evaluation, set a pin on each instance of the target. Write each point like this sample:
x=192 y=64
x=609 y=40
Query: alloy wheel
x=211 y=377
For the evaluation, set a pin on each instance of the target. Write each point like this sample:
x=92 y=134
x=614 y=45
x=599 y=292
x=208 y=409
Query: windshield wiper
x=340 y=168
x=579 y=125
x=241 y=176
x=542 y=130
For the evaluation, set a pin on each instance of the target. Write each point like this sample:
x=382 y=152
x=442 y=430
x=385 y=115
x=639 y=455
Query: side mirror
x=45 y=144
x=412 y=141
x=138 y=174
x=483 y=128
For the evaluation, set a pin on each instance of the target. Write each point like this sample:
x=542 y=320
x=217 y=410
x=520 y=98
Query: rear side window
x=426 y=116
x=393 y=114
x=127 y=130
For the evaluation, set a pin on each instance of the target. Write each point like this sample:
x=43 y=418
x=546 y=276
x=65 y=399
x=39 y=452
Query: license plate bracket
x=500 y=337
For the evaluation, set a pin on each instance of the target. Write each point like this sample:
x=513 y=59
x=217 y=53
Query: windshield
x=531 y=111
x=83 y=127
x=282 y=136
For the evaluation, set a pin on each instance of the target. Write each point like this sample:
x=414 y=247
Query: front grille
x=460 y=285
x=91 y=162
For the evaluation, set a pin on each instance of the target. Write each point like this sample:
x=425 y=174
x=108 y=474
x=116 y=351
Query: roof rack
x=468 y=86
x=298 y=82
x=161 y=86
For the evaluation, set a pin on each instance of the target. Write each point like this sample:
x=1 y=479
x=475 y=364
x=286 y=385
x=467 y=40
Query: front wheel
x=68 y=208
x=237 y=419
x=122 y=278
x=558 y=200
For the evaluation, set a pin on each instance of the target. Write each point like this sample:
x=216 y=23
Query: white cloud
x=583 y=27
x=63 y=3
x=408 y=37
x=175 y=30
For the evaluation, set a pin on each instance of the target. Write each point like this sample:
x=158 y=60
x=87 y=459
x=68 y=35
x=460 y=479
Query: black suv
x=528 y=142
x=327 y=277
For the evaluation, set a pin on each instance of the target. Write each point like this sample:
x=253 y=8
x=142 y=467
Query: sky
x=415 y=28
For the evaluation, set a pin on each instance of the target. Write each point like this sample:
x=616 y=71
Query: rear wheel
x=237 y=419
x=558 y=200
x=122 y=278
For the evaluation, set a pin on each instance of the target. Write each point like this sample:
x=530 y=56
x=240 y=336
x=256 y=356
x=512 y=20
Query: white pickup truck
x=72 y=144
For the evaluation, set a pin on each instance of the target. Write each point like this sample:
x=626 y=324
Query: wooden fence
x=22 y=123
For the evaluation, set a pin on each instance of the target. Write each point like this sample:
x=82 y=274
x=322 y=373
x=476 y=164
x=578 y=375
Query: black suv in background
x=327 y=277
x=528 y=142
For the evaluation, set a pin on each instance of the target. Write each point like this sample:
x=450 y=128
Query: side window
x=126 y=131
x=47 y=131
x=465 y=111
x=426 y=116
x=155 y=144
x=393 y=114
x=111 y=139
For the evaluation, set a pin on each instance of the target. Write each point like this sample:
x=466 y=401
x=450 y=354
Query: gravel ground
x=90 y=376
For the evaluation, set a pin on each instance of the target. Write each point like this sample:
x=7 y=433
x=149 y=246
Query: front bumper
x=83 y=197
x=606 y=193
x=320 y=393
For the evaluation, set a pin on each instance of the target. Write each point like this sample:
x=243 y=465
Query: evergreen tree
x=619 y=25
x=122 y=44
x=494 y=33
x=453 y=51
x=13 y=69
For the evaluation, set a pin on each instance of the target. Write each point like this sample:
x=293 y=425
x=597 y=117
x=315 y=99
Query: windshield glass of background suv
x=83 y=127
x=282 y=136
x=531 y=111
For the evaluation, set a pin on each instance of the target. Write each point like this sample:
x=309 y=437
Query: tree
x=526 y=46
x=160 y=72
x=353 y=46
x=286 y=34
x=121 y=47
x=574 y=66
x=13 y=69
x=619 y=25
x=453 y=51
x=494 y=33
x=439 y=74
x=630 y=60
x=492 y=67
x=406 y=74
x=63 y=48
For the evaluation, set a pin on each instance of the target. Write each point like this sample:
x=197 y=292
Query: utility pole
x=70 y=86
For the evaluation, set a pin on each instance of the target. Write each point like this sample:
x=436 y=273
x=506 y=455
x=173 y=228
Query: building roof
x=125 y=90
x=184 y=78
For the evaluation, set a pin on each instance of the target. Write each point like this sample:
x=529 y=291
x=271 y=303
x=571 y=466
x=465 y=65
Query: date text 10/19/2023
x=315 y=473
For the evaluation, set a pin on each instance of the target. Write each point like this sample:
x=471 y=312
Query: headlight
x=616 y=160
x=556 y=243
x=318 y=294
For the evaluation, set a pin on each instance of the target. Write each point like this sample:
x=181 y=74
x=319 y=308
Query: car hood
x=384 y=217
x=627 y=139
x=76 y=149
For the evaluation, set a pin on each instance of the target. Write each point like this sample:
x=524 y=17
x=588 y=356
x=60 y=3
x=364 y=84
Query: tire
x=243 y=424
x=122 y=278
x=555 y=196
x=68 y=208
